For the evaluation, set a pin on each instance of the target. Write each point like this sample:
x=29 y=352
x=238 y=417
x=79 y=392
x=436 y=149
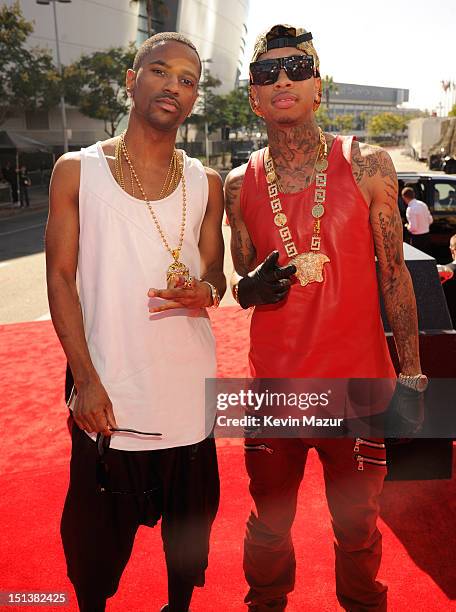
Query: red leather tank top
x=323 y=330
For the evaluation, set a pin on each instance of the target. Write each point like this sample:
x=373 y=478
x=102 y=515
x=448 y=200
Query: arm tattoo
x=242 y=250
x=371 y=161
x=397 y=288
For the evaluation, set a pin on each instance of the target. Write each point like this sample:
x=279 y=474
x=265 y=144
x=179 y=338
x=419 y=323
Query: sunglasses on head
x=297 y=68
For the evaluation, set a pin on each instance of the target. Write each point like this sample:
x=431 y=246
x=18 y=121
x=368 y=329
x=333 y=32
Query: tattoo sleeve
x=395 y=282
x=242 y=250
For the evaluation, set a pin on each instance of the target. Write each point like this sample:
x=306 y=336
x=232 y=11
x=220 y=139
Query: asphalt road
x=22 y=268
x=22 y=264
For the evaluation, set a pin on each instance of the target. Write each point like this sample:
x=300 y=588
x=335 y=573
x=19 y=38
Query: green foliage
x=452 y=112
x=344 y=123
x=328 y=88
x=323 y=119
x=29 y=79
x=207 y=104
x=234 y=112
x=95 y=84
x=231 y=110
x=387 y=124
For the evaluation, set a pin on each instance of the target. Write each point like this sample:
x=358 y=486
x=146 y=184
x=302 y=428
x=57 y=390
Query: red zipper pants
x=354 y=475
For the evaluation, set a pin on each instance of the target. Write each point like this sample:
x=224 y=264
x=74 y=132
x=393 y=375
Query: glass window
x=445 y=197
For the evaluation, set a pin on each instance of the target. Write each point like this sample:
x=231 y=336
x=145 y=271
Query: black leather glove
x=267 y=284
x=405 y=414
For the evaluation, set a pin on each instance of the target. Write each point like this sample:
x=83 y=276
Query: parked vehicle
x=439 y=193
x=239 y=157
x=423 y=133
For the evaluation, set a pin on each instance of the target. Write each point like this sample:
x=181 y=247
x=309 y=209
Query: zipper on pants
x=258 y=447
x=365 y=442
x=361 y=459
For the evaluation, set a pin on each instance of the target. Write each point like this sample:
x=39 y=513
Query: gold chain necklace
x=172 y=179
x=309 y=266
x=177 y=268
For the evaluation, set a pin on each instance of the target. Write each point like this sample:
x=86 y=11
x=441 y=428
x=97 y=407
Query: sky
x=410 y=44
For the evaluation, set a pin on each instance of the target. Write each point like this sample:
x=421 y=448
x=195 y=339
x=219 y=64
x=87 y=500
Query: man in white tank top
x=134 y=257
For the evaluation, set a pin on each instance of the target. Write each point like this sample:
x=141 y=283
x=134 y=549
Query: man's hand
x=93 y=409
x=405 y=413
x=267 y=284
x=197 y=295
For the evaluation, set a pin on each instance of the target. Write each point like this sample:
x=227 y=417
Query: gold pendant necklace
x=177 y=268
x=309 y=265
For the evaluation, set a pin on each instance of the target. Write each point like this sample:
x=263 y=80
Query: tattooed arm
x=375 y=174
x=242 y=250
x=265 y=284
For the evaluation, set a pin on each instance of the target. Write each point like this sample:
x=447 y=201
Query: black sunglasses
x=297 y=68
x=102 y=469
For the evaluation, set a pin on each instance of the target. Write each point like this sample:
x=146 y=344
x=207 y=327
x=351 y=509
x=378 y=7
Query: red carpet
x=417 y=517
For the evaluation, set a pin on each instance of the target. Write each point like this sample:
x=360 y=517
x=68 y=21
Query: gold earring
x=317 y=101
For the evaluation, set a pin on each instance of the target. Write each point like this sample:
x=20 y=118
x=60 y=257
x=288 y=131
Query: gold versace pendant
x=177 y=270
x=309 y=267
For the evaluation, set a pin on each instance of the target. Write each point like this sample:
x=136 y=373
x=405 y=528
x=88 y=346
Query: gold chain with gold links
x=177 y=268
x=118 y=164
x=309 y=266
x=119 y=170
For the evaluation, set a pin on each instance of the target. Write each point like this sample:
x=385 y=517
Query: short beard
x=162 y=126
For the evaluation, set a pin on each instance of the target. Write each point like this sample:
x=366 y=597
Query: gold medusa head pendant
x=309 y=267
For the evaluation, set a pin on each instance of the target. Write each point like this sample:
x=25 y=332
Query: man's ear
x=130 y=80
x=254 y=100
x=317 y=93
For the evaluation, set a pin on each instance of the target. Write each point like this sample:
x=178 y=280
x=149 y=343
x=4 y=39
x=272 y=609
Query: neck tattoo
x=295 y=152
x=309 y=265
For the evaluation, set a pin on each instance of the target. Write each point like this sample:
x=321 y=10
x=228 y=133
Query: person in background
x=24 y=184
x=10 y=176
x=418 y=220
x=448 y=279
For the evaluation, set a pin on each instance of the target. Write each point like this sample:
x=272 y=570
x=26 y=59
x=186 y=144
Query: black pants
x=24 y=196
x=421 y=242
x=98 y=529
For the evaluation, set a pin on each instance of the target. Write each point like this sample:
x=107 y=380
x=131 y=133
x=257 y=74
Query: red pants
x=354 y=474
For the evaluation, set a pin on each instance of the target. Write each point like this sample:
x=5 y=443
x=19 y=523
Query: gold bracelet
x=235 y=292
x=214 y=294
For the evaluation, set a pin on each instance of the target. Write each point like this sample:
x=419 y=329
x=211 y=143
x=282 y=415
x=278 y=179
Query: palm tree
x=329 y=87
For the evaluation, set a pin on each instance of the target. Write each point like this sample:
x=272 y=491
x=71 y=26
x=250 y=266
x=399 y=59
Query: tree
x=323 y=119
x=329 y=87
x=29 y=79
x=242 y=114
x=233 y=111
x=344 y=123
x=452 y=112
x=387 y=124
x=206 y=107
x=95 y=84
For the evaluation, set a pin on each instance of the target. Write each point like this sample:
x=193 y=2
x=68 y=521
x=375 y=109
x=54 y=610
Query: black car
x=439 y=193
x=239 y=157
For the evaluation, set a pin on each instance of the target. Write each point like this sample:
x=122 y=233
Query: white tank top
x=153 y=366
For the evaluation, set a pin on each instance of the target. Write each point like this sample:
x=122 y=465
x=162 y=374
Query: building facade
x=216 y=27
x=363 y=101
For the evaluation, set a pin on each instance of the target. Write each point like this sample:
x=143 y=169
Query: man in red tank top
x=308 y=215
